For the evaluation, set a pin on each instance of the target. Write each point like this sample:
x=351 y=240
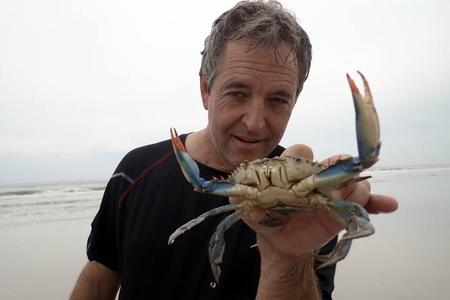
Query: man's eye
x=236 y=94
x=280 y=101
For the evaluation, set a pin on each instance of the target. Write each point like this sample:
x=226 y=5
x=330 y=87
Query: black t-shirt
x=145 y=200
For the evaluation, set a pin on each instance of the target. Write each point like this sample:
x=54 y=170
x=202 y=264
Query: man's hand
x=302 y=232
x=288 y=245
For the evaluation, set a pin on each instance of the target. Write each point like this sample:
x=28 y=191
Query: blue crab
x=287 y=184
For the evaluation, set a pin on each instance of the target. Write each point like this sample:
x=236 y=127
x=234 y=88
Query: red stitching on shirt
x=142 y=174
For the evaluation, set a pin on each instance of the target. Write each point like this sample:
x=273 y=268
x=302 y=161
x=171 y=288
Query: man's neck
x=201 y=148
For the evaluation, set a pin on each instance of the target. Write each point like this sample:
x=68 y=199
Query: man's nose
x=255 y=117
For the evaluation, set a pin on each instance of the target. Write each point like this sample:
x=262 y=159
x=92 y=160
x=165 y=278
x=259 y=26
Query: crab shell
x=264 y=180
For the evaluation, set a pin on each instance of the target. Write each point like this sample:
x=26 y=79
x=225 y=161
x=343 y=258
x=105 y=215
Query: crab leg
x=189 y=166
x=367 y=123
x=183 y=228
x=355 y=218
x=357 y=223
x=339 y=253
x=217 y=242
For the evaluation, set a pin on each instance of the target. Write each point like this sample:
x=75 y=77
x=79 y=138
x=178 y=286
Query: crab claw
x=357 y=223
x=367 y=124
x=187 y=163
x=192 y=173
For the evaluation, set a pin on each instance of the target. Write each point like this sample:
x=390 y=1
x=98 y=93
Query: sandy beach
x=407 y=258
x=42 y=261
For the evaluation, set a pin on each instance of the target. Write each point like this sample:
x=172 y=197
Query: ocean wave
x=20 y=192
x=406 y=172
x=31 y=204
x=47 y=203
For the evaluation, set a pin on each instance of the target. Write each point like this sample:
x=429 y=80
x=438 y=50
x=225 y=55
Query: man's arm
x=96 y=282
x=287 y=278
x=284 y=274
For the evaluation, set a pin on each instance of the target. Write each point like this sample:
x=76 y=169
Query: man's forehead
x=241 y=52
x=282 y=53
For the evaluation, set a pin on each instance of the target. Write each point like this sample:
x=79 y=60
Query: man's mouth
x=248 y=140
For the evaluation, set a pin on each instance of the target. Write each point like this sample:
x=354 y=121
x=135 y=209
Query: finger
x=263 y=222
x=333 y=159
x=235 y=200
x=381 y=204
x=260 y=220
x=366 y=184
x=299 y=150
x=358 y=192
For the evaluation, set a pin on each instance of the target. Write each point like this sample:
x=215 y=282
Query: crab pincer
x=192 y=173
x=367 y=124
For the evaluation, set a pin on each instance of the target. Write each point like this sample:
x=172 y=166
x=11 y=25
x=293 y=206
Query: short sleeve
x=102 y=241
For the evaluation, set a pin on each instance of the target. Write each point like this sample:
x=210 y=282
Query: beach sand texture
x=407 y=258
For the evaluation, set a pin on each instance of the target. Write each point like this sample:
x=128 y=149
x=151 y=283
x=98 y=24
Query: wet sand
x=42 y=261
x=407 y=258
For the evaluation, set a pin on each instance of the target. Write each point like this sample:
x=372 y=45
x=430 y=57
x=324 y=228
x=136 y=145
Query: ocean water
x=25 y=204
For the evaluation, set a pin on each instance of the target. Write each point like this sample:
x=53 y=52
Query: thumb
x=299 y=150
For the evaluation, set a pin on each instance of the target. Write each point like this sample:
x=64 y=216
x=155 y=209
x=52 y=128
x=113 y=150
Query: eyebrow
x=231 y=84
x=283 y=93
x=234 y=85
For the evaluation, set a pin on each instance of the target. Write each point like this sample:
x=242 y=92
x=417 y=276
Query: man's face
x=249 y=103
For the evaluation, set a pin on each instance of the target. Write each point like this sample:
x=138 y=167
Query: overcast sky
x=83 y=82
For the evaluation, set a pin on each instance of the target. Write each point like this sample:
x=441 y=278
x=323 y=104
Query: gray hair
x=264 y=23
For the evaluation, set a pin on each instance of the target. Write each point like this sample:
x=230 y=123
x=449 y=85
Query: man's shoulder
x=148 y=152
x=136 y=160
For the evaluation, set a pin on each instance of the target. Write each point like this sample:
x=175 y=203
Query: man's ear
x=204 y=91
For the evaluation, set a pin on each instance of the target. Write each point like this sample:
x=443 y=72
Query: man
x=255 y=62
